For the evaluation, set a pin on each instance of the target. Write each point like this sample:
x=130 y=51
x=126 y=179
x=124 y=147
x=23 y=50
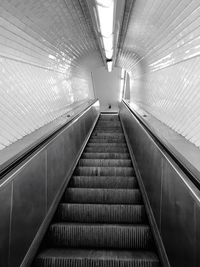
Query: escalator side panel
x=174 y=199
x=28 y=193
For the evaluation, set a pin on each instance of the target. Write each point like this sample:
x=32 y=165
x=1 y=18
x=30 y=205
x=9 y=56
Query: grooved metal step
x=116 y=135
x=108 y=125
x=118 y=144
x=90 y=155
x=100 y=213
x=104 y=171
x=111 y=129
x=108 y=118
x=107 y=131
x=106 y=140
x=111 y=126
x=80 y=235
x=103 y=182
x=108 y=137
x=106 y=149
x=96 y=258
x=102 y=196
x=105 y=162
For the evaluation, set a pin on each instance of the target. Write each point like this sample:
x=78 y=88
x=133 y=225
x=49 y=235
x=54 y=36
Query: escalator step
x=80 y=235
x=111 y=126
x=106 y=140
x=108 y=131
x=103 y=135
x=100 y=213
x=103 y=182
x=105 y=162
x=108 y=137
x=118 y=144
x=102 y=196
x=88 y=155
x=104 y=171
x=109 y=118
x=109 y=149
x=104 y=124
x=96 y=258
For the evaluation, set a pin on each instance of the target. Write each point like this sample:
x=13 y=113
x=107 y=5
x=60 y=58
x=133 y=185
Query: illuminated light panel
x=109 y=54
x=105 y=11
x=108 y=43
x=109 y=64
x=105 y=15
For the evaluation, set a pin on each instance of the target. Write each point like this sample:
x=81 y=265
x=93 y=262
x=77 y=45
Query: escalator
x=101 y=219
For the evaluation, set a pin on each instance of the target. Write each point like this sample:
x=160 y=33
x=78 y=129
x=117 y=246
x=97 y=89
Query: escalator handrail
x=27 y=152
x=191 y=172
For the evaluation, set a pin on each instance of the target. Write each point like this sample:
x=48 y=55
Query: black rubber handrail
x=29 y=151
x=191 y=172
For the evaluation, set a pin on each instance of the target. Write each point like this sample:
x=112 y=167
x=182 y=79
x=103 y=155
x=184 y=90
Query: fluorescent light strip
x=109 y=54
x=105 y=3
x=105 y=20
x=108 y=43
x=109 y=64
x=105 y=10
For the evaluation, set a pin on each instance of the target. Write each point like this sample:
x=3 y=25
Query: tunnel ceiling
x=149 y=32
x=62 y=29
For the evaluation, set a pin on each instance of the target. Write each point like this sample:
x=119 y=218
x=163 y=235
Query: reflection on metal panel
x=161 y=50
x=174 y=199
x=41 y=44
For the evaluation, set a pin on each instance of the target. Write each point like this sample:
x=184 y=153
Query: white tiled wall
x=47 y=52
x=42 y=45
x=162 y=53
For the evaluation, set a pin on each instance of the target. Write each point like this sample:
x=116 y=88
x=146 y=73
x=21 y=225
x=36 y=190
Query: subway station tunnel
x=99 y=133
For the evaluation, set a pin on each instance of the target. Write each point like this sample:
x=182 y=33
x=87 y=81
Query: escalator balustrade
x=101 y=219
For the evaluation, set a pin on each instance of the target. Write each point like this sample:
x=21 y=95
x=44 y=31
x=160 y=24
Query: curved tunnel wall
x=43 y=45
x=165 y=74
x=48 y=50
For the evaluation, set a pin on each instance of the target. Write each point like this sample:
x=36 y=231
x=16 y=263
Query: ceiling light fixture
x=109 y=65
x=105 y=12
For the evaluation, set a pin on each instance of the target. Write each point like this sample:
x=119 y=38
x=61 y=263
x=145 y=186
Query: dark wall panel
x=5 y=209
